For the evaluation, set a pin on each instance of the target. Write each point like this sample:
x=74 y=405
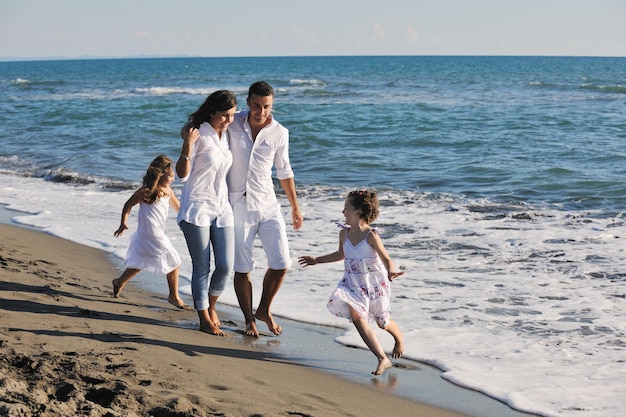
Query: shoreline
x=57 y=304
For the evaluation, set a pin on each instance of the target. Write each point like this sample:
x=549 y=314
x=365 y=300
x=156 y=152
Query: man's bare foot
x=214 y=318
x=271 y=324
x=398 y=349
x=251 y=329
x=116 y=288
x=179 y=303
x=211 y=329
x=382 y=365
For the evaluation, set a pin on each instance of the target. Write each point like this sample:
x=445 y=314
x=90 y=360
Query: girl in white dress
x=150 y=248
x=363 y=294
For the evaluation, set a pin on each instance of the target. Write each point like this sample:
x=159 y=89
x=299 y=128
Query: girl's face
x=167 y=178
x=221 y=119
x=353 y=216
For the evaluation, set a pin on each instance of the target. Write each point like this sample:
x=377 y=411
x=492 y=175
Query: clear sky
x=131 y=28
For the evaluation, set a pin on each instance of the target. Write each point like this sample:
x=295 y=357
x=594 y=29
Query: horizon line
x=111 y=57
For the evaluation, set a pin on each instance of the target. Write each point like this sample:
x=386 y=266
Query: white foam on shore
x=529 y=309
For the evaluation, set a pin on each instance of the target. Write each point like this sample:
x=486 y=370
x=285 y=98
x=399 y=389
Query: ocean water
x=502 y=186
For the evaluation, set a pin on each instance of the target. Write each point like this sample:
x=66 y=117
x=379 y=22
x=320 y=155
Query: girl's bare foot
x=398 y=349
x=382 y=365
x=179 y=303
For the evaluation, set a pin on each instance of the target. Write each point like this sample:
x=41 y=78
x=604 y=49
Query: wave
x=297 y=82
x=316 y=93
x=612 y=89
x=104 y=94
x=600 y=88
x=65 y=176
x=20 y=81
x=164 y=91
x=14 y=165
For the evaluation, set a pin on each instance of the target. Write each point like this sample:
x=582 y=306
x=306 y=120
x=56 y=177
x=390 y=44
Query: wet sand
x=69 y=348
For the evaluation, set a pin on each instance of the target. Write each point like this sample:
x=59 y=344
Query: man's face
x=260 y=107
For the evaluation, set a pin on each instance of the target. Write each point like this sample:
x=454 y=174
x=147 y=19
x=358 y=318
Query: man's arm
x=289 y=186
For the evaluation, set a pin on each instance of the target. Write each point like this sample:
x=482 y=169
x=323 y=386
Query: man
x=258 y=143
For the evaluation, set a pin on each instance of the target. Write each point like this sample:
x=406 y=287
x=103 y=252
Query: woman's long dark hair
x=221 y=100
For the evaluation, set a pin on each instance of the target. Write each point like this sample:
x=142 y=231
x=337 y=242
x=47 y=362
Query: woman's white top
x=205 y=193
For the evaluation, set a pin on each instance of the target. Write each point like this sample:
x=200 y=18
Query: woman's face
x=221 y=119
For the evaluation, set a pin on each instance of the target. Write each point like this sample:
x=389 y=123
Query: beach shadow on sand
x=302 y=344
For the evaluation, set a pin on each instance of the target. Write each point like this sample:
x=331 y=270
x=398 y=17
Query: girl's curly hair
x=367 y=202
x=157 y=169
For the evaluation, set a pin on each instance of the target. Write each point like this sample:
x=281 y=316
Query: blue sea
x=502 y=183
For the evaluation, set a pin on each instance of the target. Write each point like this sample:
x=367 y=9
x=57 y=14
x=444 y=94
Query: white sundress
x=149 y=247
x=364 y=286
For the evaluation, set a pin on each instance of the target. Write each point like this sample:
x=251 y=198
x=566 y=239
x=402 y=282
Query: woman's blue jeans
x=200 y=240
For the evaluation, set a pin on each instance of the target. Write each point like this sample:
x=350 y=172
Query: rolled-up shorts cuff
x=244 y=268
x=279 y=265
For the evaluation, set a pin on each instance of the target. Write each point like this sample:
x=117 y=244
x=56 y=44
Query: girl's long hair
x=157 y=169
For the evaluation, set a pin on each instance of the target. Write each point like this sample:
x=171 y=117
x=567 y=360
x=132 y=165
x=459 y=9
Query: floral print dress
x=364 y=286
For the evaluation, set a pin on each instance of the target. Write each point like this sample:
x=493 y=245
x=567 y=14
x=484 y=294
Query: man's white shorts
x=271 y=230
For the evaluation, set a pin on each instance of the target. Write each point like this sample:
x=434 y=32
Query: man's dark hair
x=261 y=89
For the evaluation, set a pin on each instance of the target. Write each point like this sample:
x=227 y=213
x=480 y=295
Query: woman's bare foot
x=382 y=365
x=211 y=329
x=271 y=324
x=214 y=318
x=398 y=349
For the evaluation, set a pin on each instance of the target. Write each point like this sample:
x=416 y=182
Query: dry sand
x=68 y=348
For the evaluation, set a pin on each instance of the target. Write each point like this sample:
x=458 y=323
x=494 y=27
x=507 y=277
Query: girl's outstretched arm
x=135 y=199
x=374 y=240
x=331 y=257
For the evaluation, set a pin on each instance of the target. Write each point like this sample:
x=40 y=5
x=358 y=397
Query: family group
x=228 y=200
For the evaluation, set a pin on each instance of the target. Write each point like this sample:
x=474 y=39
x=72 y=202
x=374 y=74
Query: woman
x=205 y=215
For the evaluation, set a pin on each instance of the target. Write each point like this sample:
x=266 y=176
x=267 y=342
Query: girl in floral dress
x=363 y=294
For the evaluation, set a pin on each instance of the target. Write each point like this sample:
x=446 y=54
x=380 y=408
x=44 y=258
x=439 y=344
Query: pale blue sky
x=113 y=28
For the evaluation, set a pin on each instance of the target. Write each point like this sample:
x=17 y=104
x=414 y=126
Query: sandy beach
x=69 y=348
x=513 y=290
